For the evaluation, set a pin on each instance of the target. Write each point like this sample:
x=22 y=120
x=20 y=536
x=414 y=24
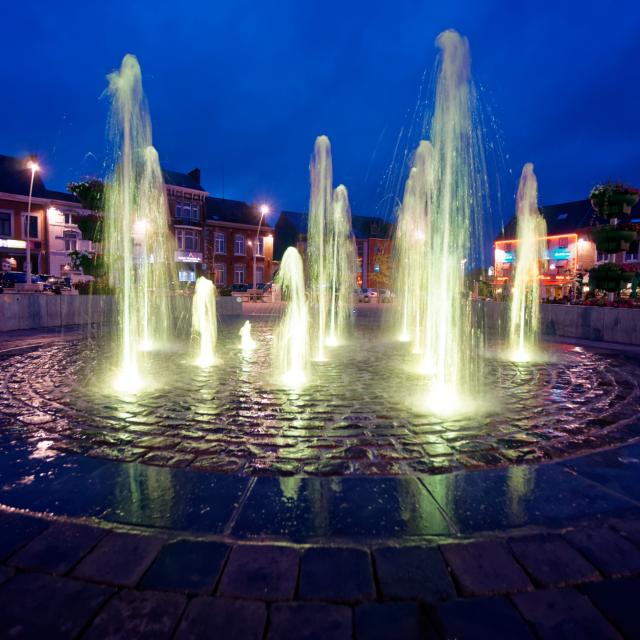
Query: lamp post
x=264 y=210
x=33 y=166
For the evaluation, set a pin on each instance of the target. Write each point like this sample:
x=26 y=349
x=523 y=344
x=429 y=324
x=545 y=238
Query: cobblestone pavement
x=64 y=579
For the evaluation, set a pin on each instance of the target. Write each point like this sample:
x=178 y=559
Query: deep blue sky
x=247 y=85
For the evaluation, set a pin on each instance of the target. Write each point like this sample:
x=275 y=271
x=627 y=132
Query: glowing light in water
x=247 y=343
x=410 y=250
x=204 y=323
x=291 y=348
x=451 y=341
x=137 y=242
x=524 y=316
x=330 y=252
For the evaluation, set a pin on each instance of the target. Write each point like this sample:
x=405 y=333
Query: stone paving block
x=144 y=615
x=485 y=568
x=492 y=618
x=551 y=561
x=406 y=620
x=16 y=530
x=563 y=614
x=120 y=559
x=413 y=573
x=34 y=605
x=231 y=619
x=619 y=602
x=260 y=573
x=190 y=566
x=336 y=574
x=607 y=550
x=58 y=549
x=629 y=528
x=309 y=621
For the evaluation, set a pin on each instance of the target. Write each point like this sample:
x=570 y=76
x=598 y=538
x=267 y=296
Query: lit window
x=219 y=243
x=563 y=243
x=238 y=245
x=238 y=274
x=220 y=271
x=260 y=247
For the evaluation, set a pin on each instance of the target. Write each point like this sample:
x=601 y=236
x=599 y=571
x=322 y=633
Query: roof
x=63 y=196
x=15 y=177
x=189 y=180
x=234 y=211
x=567 y=217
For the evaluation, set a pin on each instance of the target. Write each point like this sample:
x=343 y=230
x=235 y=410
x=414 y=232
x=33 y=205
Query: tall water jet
x=524 y=316
x=204 y=322
x=452 y=344
x=320 y=206
x=410 y=249
x=291 y=348
x=137 y=240
x=341 y=268
x=247 y=343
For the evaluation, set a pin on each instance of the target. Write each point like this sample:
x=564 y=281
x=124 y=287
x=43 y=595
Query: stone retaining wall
x=567 y=321
x=36 y=311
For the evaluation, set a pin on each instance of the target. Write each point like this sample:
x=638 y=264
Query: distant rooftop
x=224 y=210
x=190 y=180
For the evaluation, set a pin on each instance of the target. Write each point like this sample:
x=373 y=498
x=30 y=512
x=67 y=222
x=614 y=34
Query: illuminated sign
x=9 y=243
x=562 y=253
x=508 y=256
x=376 y=268
x=188 y=256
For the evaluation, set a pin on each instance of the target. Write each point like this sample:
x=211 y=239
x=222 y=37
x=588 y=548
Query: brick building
x=231 y=237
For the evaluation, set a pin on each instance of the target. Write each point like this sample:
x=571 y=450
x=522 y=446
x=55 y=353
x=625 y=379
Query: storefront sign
x=188 y=256
x=10 y=243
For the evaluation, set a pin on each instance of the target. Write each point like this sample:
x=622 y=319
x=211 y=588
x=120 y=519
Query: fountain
x=137 y=241
x=291 y=348
x=451 y=343
x=204 y=323
x=524 y=316
x=330 y=252
x=410 y=249
x=247 y=343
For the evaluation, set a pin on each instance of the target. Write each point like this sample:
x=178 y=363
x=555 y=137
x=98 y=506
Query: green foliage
x=91 y=264
x=608 y=277
x=100 y=286
x=90 y=192
x=613 y=199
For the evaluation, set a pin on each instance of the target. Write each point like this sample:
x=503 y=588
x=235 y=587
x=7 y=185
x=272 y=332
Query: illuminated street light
x=33 y=167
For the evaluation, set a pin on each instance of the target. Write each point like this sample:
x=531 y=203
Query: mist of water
x=291 y=344
x=204 y=322
x=524 y=316
x=137 y=241
x=247 y=343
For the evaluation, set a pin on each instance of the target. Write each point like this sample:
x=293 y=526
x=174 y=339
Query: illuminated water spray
x=204 y=323
x=291 y=348
x=330 y=252
x=452 y=344
x=410 y=249
x=138 y=247
x=524 y=317
x=247 y=343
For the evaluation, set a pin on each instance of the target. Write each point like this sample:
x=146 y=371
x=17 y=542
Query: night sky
x=241 y=89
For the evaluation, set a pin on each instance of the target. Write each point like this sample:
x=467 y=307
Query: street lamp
x=264 y=211
x=33 y=166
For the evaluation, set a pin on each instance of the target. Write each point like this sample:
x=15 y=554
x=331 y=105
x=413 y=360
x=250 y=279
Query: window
x=238 y=246
x=5 y=223
x=33 y=226
x=238 y=273
x=219 y=243
x=70 y=241
x=188 y=212
x=631 y=256
x=67 y=218
x=260 y=247
x=563 y=243
x=259 y=275
x=602 y=257
x=220 y=273
x=188 y=240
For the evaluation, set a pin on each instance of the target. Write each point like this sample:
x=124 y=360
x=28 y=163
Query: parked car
x=9 y=279
x=56 y=285
x=239 y=288
x=366 y=294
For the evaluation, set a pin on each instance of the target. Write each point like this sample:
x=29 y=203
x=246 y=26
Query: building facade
x=231 y=240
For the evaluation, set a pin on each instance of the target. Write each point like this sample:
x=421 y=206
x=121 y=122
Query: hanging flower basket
x=609 y=239
x=613 y=200
x=608 y=277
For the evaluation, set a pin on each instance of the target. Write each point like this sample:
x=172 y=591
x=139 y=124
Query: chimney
x=195 y=174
